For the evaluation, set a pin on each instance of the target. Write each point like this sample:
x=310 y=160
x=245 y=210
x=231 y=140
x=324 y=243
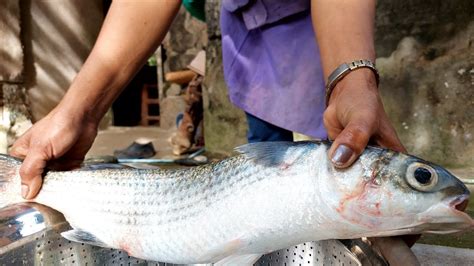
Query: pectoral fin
x=240 y=260
x=77 y=235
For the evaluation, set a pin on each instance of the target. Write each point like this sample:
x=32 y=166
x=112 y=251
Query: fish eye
x=421 y=176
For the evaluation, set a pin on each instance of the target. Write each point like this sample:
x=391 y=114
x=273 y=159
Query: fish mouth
x=443 y=218
x=460 y=203
x=446 y=217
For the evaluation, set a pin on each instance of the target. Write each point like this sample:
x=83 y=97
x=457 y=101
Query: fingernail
x=24 y=191
x=341 y=155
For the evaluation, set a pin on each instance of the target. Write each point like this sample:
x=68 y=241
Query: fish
x=269 y=196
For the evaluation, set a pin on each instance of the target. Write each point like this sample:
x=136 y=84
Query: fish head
x=402 y=194
x=433 y=197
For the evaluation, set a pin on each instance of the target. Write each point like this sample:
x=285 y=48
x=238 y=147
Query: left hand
x=355 y=116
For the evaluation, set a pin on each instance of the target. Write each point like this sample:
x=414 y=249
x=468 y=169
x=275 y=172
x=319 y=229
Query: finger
x=351 y=142
x=19 y=151
x=331 y=123
x=31 y=172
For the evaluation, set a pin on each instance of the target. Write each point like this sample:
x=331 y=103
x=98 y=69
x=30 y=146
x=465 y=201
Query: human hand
x=355 y=116
x=60 y=141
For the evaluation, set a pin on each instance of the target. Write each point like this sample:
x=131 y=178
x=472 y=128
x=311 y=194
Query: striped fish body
x=271 y=196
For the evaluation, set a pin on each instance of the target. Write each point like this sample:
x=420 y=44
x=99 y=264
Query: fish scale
x=181 y=211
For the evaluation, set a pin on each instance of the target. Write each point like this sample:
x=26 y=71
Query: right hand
x=355 y=116
x=60 y=141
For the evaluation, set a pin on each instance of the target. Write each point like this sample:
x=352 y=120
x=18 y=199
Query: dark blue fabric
x=260 y=130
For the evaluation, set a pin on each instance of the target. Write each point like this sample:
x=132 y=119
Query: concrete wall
x=186 y=37
x=225 y=126
x=426 y=60
x=43 y=46
x=14 y=116
x=58 y=36
x=11 y=52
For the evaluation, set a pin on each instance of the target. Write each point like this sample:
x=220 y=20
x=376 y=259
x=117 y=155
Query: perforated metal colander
x=30 y=235
x=328 y=252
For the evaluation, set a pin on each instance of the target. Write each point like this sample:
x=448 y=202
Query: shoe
x=136 y=151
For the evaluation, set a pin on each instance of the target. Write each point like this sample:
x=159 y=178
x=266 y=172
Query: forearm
x=344 y=30
x=129 y=35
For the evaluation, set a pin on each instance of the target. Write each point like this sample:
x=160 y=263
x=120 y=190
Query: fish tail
x=10 y=183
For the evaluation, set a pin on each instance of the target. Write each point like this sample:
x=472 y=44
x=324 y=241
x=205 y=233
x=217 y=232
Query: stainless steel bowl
x=30 y=235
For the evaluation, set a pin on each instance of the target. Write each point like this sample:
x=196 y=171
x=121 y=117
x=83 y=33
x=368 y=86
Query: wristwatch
x=344 y=69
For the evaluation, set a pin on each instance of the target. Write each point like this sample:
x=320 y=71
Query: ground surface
x=115 y=138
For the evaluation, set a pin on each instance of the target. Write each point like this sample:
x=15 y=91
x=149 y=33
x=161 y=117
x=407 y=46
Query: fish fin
x=240 y=260
x=9 y=180
x=78 y=235
x=222 y=251
x=275 y=153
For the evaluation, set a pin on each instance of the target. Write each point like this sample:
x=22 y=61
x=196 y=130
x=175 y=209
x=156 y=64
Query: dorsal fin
x=274 y=153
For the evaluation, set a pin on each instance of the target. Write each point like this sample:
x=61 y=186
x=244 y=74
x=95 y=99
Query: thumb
x=350 y=143
x=31 y=171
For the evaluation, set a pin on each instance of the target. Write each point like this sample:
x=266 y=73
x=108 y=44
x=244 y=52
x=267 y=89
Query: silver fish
x=271 y=196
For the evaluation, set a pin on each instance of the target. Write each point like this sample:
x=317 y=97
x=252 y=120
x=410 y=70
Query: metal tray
x=30 y=235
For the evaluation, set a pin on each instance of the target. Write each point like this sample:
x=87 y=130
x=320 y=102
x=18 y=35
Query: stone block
x=186 y=37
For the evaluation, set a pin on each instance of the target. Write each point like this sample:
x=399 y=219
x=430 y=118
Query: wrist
x=359 y=81
x=345 y=69
x=76 y=114
x=361 y=76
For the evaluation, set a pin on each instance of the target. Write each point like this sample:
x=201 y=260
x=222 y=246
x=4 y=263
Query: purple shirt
x=272 y=63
